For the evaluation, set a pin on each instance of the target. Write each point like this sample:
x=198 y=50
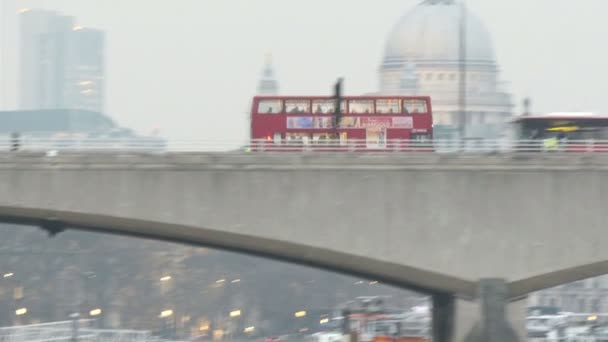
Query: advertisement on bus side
x=308 y=122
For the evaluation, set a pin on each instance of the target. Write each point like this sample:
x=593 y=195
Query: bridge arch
x=56 y=221
x=520 y=288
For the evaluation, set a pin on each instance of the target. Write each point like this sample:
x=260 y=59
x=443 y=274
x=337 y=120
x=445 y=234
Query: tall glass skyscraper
x=62 y=64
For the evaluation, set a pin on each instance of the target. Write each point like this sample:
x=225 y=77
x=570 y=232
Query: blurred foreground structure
x=475 y=258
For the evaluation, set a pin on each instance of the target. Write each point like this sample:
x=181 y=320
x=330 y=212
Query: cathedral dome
x=430 y=32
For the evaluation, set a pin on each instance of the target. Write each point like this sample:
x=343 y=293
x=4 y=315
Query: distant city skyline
x=190 y=68
x=62 y=63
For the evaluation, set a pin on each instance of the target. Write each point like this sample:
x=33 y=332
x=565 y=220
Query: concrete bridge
x=476 y=232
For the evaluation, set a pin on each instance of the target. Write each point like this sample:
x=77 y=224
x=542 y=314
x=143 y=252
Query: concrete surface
x=434 y=222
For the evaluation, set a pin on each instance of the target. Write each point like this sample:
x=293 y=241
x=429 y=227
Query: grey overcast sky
x=190 y=67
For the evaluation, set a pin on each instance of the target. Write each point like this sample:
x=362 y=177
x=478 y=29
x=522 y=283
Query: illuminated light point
x=77 y=28
x=21 y=312
x=220 y=281
x=95 y=312
x=8 y=275
x=235 y=313
x=373 y=282
x=300 y=314
x=204 y=327
x=166 y=313
x=324 y=321
x=249 y=329
x=218 y=334
x=24 y=10
x=303 y=330
x=592 y=318
x=166 y=278
x=236 y=281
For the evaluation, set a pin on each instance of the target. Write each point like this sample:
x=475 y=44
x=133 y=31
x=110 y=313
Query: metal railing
x=64 y=331
x=54 y=146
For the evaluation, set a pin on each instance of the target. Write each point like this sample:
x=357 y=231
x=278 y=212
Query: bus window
x=269 y=107
x=589 y=133
x=360 y=106
x=297 y=106
x=388 y=106
x=324 y=138
x=414 y=106
x=326 y=106
x=603 y=133
x=343 y=106
x=420 y=139
x=298 y=138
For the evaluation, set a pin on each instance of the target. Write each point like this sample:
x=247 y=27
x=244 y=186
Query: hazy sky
x=190 y=67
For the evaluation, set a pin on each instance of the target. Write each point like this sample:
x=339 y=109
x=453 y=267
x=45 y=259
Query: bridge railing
x=263 y=146
x=43 y=332
x=64 y=332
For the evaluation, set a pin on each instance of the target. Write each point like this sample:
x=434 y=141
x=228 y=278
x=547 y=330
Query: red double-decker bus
x=364 y=123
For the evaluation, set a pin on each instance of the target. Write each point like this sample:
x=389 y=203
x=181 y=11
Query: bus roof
x=562 y=116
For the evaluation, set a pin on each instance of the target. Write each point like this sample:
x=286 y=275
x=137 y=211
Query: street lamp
x=249 y=329
x=95 y=312
x=235 y=313
x=166 y=313
x=8 y=275
x=218 y=334
x=169 y=288
x=75 y=325
x=165 y=316
x=300 y=314
x=462 y=66
x=21 y=312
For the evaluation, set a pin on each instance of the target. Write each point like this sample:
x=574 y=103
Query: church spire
x=268 y=84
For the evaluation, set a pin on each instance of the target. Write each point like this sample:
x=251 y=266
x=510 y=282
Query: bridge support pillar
x=444 y=310
x=493 y=324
